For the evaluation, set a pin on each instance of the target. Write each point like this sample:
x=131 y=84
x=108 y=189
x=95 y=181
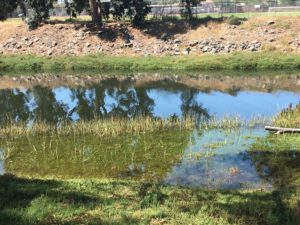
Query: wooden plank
x=281 y=130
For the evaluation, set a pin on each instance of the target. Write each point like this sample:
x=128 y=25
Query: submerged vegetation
x=145 y=156
x=113 y=170
x=34 y=197
x=237 y=61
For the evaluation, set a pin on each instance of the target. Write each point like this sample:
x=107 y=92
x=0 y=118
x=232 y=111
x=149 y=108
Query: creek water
x=216 y=158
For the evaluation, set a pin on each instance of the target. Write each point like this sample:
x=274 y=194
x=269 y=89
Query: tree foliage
x=7 y=7
x=136 y=10
x=187 y=11
x=40 y=12
x=41 y=8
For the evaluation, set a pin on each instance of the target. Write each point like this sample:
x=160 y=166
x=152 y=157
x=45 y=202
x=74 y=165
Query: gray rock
x=99 y=33
x=186 y=51
x=205 y=49
x=128 y=45
x=164 y=37
x=30 y=43
x=53 y=44
x=193 y=43
x=272 y=32
x=36 y=39
x=258 y=45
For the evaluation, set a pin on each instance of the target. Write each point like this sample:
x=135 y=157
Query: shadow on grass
x=26 y=201
x=34 y=201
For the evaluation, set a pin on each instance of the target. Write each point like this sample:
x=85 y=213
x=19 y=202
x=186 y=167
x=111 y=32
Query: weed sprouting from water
x=102 y=127
x=233 y=122
x=114 y=126
x=289 y=117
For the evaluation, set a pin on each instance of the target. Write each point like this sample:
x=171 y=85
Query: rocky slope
x=157 y=38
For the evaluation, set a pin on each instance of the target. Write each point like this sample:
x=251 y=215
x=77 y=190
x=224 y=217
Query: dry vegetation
x=284 y=35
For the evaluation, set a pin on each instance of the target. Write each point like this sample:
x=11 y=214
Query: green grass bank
x=258 y=61
x=89 y=201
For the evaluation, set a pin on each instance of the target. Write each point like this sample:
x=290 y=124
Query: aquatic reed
x=102 y=127
x=289 y=117
x=232 y=122
x=116 y=126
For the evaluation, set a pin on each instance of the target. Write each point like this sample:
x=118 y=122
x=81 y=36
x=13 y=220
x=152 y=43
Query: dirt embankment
x=157 y=38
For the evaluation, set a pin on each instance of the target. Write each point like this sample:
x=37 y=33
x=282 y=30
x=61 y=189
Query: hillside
x=156 y=38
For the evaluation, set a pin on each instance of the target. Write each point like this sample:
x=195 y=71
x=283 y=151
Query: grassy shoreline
x=45 y=200
x=239 y=61
x=96 y=201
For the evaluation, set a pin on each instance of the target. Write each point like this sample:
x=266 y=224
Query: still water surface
x=211 y=158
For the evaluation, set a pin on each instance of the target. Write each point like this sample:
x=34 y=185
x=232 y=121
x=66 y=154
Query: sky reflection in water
x=214 y=159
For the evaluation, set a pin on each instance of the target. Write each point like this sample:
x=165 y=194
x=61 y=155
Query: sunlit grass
x=115 y=126
x=289 y=118
x=101 y=127
x=87 y=201
x=239 y=61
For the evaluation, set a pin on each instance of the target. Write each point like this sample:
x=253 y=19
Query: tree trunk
x=190 y=15
x=96 y=18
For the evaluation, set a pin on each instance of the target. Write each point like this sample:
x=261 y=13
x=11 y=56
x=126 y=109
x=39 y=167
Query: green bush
x=232 y=20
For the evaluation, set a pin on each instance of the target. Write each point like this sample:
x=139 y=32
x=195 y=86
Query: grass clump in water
x=102 y=127
x=289 y=118
x=115 y=126
x=232 y=122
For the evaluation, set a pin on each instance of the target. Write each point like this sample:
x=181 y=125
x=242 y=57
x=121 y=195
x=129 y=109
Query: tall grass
x=102 y=127
x=289 y=118
x=116 y=126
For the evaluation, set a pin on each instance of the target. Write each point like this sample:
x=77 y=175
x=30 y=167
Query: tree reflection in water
x=109 y=98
